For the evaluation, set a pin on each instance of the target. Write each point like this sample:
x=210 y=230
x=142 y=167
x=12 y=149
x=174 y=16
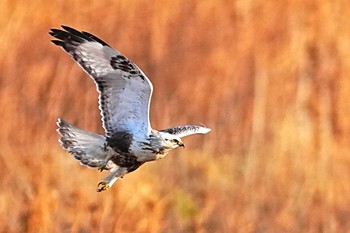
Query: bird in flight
x=124 y=101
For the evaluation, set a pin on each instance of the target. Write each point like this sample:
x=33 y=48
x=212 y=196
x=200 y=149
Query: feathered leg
x=105 y=162
x=109 y=180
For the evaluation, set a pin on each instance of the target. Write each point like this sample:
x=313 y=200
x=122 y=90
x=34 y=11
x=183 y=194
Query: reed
x=269 y=77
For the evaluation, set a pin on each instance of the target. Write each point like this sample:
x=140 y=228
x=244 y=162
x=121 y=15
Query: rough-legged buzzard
x=124 y=99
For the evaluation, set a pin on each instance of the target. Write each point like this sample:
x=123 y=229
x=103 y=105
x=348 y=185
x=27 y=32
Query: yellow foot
x=102 y=186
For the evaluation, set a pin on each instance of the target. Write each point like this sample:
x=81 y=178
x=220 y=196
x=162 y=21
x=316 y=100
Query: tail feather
x=87 y=147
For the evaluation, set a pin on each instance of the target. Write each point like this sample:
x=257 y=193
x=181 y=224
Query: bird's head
x=171 y=141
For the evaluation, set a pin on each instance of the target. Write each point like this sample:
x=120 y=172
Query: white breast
x=142 y=151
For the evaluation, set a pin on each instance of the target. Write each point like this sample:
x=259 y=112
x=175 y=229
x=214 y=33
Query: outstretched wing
x=124 y=90
x=183 y=131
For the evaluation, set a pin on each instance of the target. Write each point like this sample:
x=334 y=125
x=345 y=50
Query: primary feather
x=124 y=100
x=124 y=90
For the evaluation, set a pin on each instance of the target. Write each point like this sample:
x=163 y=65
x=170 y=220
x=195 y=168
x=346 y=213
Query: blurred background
x=269 y=77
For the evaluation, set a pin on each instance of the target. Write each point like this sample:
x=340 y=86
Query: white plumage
x=124 y=100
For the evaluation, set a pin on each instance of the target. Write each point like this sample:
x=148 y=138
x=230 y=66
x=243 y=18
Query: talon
x=102 y=186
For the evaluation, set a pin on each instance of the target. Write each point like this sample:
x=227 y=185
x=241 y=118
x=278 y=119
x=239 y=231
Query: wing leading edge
x=124 y=90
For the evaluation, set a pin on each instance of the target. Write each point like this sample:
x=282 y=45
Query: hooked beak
x=181 y=144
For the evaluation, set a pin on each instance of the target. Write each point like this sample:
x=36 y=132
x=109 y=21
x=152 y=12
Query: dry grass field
x=271 y=78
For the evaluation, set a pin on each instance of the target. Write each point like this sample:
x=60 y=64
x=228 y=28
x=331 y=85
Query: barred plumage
x=124 y=99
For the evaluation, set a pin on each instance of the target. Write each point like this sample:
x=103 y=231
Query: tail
x=87 y=147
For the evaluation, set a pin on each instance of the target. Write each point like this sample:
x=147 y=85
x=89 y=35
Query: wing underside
x=124 y=90
x=183 y=131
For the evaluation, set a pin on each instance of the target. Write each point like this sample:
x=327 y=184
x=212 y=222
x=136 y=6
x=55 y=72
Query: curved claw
x=102 y=186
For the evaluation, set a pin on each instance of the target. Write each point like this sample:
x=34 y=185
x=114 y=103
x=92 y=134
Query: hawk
x=124 y=101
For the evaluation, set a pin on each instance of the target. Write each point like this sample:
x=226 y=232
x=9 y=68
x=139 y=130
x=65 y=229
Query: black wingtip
x=95 y=38
x=71 y=30
x=54 y=31
x=57 y=42
x=64 y=26
x=69 y=33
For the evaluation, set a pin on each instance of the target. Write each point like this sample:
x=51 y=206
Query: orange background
x=271 y=78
